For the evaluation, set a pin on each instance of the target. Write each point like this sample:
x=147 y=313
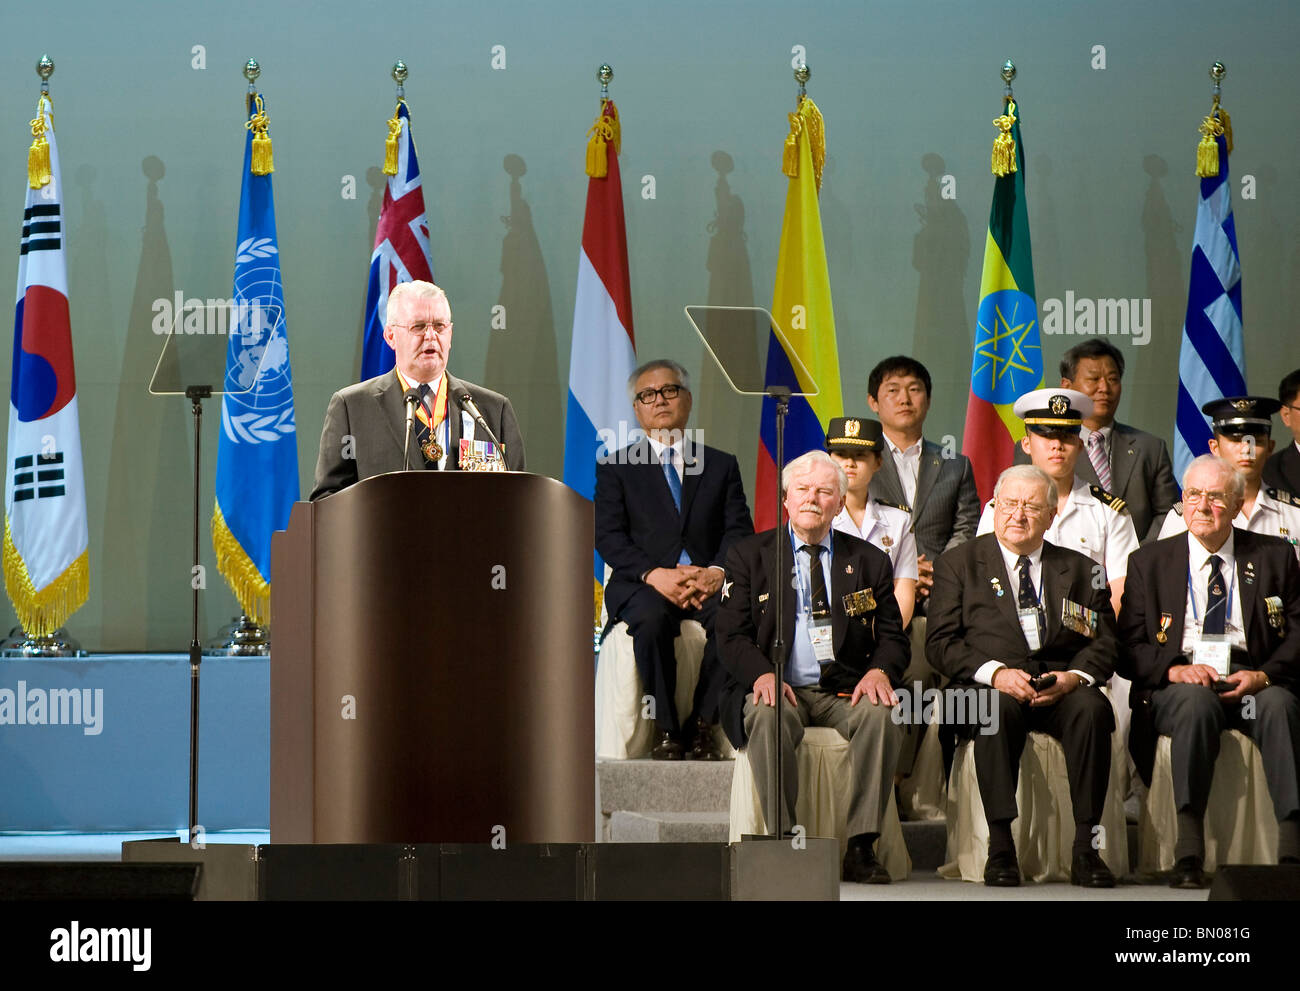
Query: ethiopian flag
x=801 y=307
x=1008 y=356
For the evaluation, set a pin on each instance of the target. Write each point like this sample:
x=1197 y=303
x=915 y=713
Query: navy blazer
x=746 y=621
x=638 y=528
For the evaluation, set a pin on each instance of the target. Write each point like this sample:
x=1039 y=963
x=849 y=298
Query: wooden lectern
x=431 y=673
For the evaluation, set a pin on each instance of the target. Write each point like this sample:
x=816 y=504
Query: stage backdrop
x=149 y=109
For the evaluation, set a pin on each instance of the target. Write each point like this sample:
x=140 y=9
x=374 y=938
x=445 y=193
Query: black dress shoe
x=1188 y=873
x=1090 y=871
x=667 y=748
x=861 y=865
x=1002 y=871
x=705 y=748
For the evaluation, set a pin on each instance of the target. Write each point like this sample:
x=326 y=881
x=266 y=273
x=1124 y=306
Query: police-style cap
x=1049 y=411
x=1241 y=415
x=846 y=433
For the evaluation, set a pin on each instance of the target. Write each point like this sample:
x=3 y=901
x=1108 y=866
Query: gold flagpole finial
x=1003 y=160
x=38 y=155
x=262 y=162
x=605 y=128
x=45 y=69
x=1215 y=123
x=395 y=122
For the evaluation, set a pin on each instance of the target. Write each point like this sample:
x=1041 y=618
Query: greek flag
x=257 y=453
x=1212 y=360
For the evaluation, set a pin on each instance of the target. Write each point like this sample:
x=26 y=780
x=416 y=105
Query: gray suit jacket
x=1141 y=474
x=947 y=510
x=372 y=414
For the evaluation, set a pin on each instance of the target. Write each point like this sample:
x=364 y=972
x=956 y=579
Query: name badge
x=819 y=632
x=1213 y=650
x=1031 y=622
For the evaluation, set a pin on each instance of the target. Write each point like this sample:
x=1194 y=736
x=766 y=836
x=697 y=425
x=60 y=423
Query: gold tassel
x=806 y=120
x=42 y=612
x=603 y=130
x=390 y=143
x=1003 y=159
x=262 y=163
x=600 y=601
x=252 y=591
x=1207 y=151
x=1226 y=121
x=38 y=155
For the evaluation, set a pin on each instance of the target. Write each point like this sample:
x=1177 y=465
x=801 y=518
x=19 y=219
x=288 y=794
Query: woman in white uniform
x=856 y=444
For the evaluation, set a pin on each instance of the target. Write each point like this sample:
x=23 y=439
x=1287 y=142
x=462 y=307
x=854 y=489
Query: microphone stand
x=411 y=397
x=195 y=394
x=781 y=394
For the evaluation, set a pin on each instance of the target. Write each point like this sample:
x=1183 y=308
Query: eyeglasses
x=647 y=397
x=1219 y=500
x=1032 y=509
x=420 y=329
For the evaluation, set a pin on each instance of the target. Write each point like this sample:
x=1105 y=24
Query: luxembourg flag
x=46 y=544
x=604 y=351
x=401 y=246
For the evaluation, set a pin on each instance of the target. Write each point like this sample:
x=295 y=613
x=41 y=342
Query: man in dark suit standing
x=1209 y=632
x=936 y=485
x=1028 y=620
x=844 y=652
x=1282 y=470
x=365 y=431
x=667 y=511
x=1126 y=462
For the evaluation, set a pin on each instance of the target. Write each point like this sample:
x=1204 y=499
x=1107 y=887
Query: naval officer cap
x=1238 y=416
x=852 y=434
x=1050 y=411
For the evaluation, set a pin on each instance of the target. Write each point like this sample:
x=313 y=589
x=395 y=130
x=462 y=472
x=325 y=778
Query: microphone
x=412 y=399
x=467 y=402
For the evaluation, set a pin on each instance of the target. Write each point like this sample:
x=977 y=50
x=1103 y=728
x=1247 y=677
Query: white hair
x=1029 y=473
x=1234 y=481
x=418 y=289
x=806 y=461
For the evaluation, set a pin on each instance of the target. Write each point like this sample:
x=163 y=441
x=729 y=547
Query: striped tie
x=1097 y=455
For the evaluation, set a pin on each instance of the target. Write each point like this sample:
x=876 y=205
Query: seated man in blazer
x=1029 y=620
x=844 y=652
x=366 y=431
x=667 y=511
x=1209 y=636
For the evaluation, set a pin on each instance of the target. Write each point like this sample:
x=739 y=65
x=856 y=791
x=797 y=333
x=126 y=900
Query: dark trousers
x=1193 y=716
x=1082 y=721
x=654 y=623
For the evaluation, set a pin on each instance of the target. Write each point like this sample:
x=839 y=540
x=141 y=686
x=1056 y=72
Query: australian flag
x=401 y=249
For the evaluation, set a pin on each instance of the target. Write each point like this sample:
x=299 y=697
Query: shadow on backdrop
x=728 y=421
x=1167 y=288
x=521 y=354
x=941 y=257
x=143 y=572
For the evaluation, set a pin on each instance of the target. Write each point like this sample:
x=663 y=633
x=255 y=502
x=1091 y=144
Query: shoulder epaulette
x=1104 y=497
x=1282 y=495
x=894 y=505
x=1177 y=508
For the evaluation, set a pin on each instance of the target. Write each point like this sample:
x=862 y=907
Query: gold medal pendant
x=432 y=451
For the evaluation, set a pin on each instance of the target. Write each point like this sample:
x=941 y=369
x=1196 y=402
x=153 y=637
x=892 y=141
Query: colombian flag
x=801 y=307
x=1008 y=356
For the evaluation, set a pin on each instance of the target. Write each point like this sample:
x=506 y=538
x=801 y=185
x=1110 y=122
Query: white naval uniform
x=889 y=529
x=1090 y=525
x=1277 y=513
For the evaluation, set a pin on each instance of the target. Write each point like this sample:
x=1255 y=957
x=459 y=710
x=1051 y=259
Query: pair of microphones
x=412 y=399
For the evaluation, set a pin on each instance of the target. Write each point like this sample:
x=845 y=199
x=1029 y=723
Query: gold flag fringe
x=38 y=155
x=600 y=600
x=1004 y=145
x=390 y=143
x=1216 y=123
x=42 y=612
x=605 y=129
x=807 y=119
x=252 y=591
x=262 y=163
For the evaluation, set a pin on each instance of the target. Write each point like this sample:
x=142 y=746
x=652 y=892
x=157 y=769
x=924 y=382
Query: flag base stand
x=240 y=638
x=56 y=644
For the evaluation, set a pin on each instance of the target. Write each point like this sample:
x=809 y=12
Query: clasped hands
x=686 y=586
